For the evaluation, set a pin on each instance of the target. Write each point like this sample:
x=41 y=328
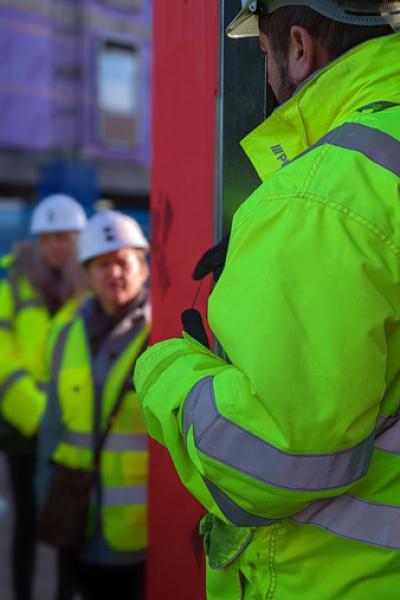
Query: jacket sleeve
x=21 y=401
x=302 y=311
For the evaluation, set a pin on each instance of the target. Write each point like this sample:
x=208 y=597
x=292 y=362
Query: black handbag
x=62 y=522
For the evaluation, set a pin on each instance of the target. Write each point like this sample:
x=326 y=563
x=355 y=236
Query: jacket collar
x=102 y=325
x=368 y=73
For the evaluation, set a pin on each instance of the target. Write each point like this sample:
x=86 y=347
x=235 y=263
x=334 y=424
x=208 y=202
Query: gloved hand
x=193 y=325
x=212 y=261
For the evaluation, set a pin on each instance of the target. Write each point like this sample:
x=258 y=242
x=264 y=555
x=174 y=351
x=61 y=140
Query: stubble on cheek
x=287 y=87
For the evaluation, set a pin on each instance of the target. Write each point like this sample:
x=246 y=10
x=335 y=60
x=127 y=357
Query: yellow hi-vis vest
x=24 y=325
x=82 y=382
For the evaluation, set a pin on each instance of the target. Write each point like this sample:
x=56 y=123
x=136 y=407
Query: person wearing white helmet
x=93 y=421
x=42 y=275
x=55 y=222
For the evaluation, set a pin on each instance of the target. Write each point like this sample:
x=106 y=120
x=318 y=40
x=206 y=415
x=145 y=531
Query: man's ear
x=305 y=56
x=144 y=269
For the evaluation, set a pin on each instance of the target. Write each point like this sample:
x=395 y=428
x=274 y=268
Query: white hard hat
x=58 y=213
x=108 y=231
x=352 y=12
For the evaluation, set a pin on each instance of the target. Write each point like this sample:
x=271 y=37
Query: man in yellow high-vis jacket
x=91 y=359
x=42 y=276
x=293 y=445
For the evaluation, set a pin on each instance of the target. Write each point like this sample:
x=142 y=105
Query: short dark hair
x=335 y=37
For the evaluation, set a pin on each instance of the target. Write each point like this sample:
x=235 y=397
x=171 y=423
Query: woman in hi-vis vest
x=93 y=438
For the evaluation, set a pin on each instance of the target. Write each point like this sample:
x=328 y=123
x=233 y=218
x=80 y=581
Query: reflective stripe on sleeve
x=356 y=519
x=376 y=145
x=389 y=439
x=232 y=511
x=124 y=496
x=383 y=422
x=9 y=381
x=224 y=441
x=7 y=325
x=116 y=442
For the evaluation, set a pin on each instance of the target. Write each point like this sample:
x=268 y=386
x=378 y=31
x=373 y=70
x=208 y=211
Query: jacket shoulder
x=355 y=169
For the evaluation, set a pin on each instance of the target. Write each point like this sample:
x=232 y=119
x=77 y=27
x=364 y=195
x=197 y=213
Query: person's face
x=116 y=278
x=56 y=248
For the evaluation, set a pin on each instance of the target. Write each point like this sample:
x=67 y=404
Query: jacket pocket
x=223 y=543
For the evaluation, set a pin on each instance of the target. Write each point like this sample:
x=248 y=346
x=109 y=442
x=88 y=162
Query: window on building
x=117 y=93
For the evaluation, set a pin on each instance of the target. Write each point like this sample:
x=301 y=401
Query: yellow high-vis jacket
x=25 y=322
x=294 y=444
x=83 y=391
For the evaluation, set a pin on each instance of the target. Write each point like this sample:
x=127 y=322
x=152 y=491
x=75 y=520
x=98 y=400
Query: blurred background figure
x=75 y=95
x=42 y=276
x=93 y=420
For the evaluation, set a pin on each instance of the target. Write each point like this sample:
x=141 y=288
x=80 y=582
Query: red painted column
x=185 y=78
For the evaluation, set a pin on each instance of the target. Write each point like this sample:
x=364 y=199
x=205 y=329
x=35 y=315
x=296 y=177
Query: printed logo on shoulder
x=280 y=154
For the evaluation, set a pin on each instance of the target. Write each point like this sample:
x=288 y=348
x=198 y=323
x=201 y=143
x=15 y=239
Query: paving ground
x=44 y=584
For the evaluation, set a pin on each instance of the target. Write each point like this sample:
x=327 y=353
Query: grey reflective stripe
x=377 y=146
x=383 y=422
x=356 y=519
x=79 y=439
x=58 y=351
x=224 y=441
x=116 y=442
x=232 y=511
x=126 y=442
x=10 y=380
x=389 y=439
x=32 y=303
x=190 y=414
x=6 y=325
x=124 y=496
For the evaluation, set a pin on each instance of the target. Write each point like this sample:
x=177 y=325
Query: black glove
x=193 y=325
x=212 y=261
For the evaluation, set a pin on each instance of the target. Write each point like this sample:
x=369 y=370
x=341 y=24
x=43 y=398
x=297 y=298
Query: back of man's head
x=334 y=37
x=298 y=40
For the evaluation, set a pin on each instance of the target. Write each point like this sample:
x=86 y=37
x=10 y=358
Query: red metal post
x=185 y=79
